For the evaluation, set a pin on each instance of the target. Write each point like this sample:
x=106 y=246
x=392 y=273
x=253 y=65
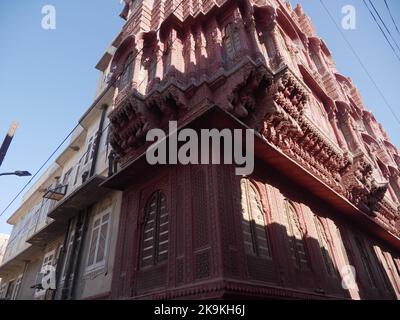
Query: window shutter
x=297 y=247
x=326 y=251
x=155 y=237
x=254 y=226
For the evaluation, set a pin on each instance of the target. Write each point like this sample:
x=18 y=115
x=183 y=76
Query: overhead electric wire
x=391 y=16
x=361 y=63
x=382 y=31
x=41 y=167
x=384 y=24
x=70 y=133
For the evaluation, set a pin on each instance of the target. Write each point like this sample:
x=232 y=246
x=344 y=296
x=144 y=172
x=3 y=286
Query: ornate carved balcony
x=134 y=116
x=287 y=127
x=361 y=187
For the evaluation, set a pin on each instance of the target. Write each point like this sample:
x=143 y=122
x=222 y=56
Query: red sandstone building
x=325 y=191
x=323 y=200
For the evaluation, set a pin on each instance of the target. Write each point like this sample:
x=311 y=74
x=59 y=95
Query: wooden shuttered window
x=366 y=262
x=297 y=247
x=127 y=73
x=232 y=41
x=255 y=235
x=155 y=237
x=326 y=249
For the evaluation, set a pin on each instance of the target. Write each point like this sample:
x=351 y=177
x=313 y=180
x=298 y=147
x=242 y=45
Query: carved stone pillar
x=250 y=27
x=351 y=137
x=201 y=51
x=334 y=123
x=217 y=44
x=192 y=60
x=139 y=73
x=159 y=74
x=176 y=52
x=277 y=59
x=315 y=45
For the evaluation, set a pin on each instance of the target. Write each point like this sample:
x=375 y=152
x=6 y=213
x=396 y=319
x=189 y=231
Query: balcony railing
x=56 y=193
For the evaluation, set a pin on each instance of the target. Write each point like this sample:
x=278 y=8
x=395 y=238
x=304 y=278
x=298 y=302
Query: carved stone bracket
x=128 y=126
x=361 y=187
x=169 y=102
x=243 y=98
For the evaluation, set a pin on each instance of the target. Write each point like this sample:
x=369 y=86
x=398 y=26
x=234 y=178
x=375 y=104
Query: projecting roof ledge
x=103 y=63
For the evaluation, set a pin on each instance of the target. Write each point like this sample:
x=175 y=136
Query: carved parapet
x=397 y=222
x=387 y=215
x=389 y=210
x=289 y=93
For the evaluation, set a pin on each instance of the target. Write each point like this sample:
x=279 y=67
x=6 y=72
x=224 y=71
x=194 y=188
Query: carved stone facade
x=262 y=63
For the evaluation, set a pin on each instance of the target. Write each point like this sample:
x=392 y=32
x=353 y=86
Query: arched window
x=254 y=227
x=127 y=72
x=232 y=41
x=366 y=262
x=154 y=244
x=326 y=249
x=297 y=247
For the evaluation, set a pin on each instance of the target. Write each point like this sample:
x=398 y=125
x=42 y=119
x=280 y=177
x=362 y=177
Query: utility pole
x=7 y=141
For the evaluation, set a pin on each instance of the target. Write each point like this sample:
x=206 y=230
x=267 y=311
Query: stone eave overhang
x=215 y=117
x=48 y=233
x=17 y=262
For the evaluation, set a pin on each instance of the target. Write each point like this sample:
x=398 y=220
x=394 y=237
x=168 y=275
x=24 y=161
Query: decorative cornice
x=287 y=127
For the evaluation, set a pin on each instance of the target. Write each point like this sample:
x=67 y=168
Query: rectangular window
x=10 y=290
x=397 y=265
x=14 y=293
x=98 y=241
x=48 y=260
x=67 y=176
x=3 y=290
x=89 y=148
x=366 y=262
x=78 y=167
x=67 y=256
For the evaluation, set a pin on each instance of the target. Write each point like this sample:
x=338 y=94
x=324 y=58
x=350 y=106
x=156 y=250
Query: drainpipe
x=61 y=260
x=97 y=140
x=68 y=268
x=26 y=263
x=77 y=265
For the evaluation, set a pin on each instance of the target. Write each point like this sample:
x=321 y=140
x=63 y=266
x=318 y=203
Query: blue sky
x=48 y=77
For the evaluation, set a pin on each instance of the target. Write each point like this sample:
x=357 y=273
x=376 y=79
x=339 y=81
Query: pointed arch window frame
x=127 y=71
x=255 y=239
x=322 y=232
x=231 y=40
x=298 y=263
x=158 y=256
